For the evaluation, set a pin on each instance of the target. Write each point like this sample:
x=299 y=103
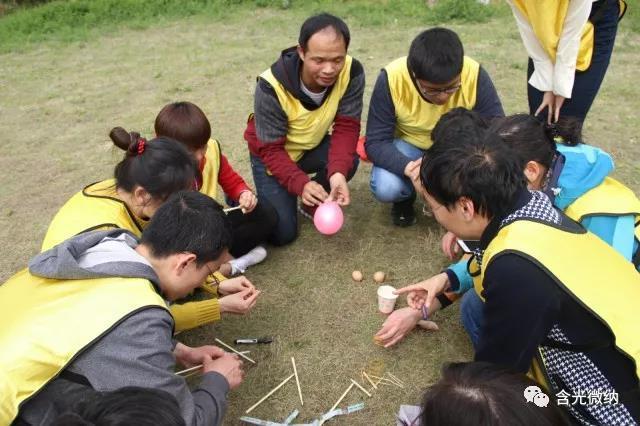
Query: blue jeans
x=388 y=187
x=472 y=316
x=586 y=83
x=284 y=202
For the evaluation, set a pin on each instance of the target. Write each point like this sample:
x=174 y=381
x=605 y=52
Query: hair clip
x=141 y=144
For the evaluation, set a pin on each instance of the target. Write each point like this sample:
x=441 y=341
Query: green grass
x=59 y=99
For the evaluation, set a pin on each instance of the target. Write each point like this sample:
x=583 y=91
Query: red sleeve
x=277 y=160
x=231 y=182
x=344 y=139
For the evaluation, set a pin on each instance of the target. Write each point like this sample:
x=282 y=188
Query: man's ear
x=466 y=208
x=532 y=171
x=182 y=262
x=300 y=52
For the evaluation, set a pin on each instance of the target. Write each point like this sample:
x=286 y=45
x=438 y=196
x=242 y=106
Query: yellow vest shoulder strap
x=46 y=323
x=211 y=169
x=610 y=198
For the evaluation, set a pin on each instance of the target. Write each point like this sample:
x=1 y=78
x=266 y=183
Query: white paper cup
x=386 y=299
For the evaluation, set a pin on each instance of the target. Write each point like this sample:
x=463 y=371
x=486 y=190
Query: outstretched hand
x=424 y=292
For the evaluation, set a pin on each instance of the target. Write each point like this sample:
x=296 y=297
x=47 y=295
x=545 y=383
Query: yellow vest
x=95 y=207
x=546 y=17
x=307 y=128
x=415 y=117
x=46 y=323
x=610 y=198
x=550 y=248
x=211 y=169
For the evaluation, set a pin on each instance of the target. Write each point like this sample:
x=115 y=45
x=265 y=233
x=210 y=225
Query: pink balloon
x=328 y=218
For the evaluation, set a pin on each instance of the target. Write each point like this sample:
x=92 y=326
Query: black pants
x=586 y=83
x=252 y=229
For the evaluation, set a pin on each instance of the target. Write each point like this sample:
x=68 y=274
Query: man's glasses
x=444 y=91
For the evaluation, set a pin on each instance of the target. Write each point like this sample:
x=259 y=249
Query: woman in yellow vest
x=408 y=99
x=186 y=123
x=554 y=293
x=149 y=173
x=569 y=43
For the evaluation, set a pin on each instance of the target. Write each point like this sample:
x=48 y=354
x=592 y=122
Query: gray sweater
x=138 y=351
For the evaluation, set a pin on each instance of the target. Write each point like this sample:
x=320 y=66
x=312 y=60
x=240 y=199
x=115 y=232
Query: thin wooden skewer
x=230 y=209
x=361 y=388
x=295 y=372
x=269 y=394
x=233 y=350
x=188 y=370
x=369 y=379
x=395 y=379
x=341 y=398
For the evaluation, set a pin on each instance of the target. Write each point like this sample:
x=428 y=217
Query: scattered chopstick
x=188 y=370
x=366 y=376
x=269 y=394
x=341 y=398
x=361 y=388
x=230 y=209
x=395 y=379
x=295 y=372
x=235 y=351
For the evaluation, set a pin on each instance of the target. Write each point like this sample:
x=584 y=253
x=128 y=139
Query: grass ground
x=58 y=101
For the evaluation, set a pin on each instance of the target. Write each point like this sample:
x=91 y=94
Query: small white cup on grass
x=386 y=299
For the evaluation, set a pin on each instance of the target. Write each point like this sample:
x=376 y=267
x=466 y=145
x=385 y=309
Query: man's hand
x=248 y=201
x=234 y=285
x=313 y=194
x=397 y=325
x=240 y=302
x=553 y=103
x=450 y=246
x=189 y=357
x=412 y=170
x=229 y=365
x=424 y=292
x=339 y=189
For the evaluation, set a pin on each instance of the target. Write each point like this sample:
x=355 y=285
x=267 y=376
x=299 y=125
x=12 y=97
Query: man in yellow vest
x=409 y=97
x=90 y=313
x=557 y=298
x=311 y=89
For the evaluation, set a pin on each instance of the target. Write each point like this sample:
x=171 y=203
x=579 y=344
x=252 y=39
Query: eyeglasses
x=211 y=278
x=435 y=92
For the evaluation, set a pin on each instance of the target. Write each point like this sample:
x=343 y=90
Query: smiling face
x=323 y=59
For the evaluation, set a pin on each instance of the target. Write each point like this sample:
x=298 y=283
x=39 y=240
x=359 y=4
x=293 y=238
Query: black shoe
x=402 y=213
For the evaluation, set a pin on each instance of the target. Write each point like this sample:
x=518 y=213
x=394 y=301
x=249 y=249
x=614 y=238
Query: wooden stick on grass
x=233 y=350
x=366 y=376
x=341 y=398
x=361 y=388
x=295 y=372
x=269 y=394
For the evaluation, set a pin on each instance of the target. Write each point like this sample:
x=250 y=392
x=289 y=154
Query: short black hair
x=125 y=406
x=436 y=55
x=318 y=23
x=192 y=222
x=458 y=124
x=482 y=168
x=534 y=140
x=483 y=394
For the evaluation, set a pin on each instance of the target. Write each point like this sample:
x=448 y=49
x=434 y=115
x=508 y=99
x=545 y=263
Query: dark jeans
x=252 y=229
x=285 y=203
x=587 y=83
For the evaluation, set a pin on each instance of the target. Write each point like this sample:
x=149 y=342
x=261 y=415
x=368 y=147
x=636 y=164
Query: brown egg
x=357 y=276
x=379 y=277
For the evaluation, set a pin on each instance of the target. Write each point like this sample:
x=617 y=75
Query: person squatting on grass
x=312 y=88
x=126 y=406
x=92 y=312
x=186 y=123
x=147 y=175
x=575 y=178
x=484 y=394
x=409 y=97
x=541 y=276
x=569 y=43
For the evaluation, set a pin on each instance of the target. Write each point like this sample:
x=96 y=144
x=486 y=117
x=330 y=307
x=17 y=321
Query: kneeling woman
x=149 y=173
